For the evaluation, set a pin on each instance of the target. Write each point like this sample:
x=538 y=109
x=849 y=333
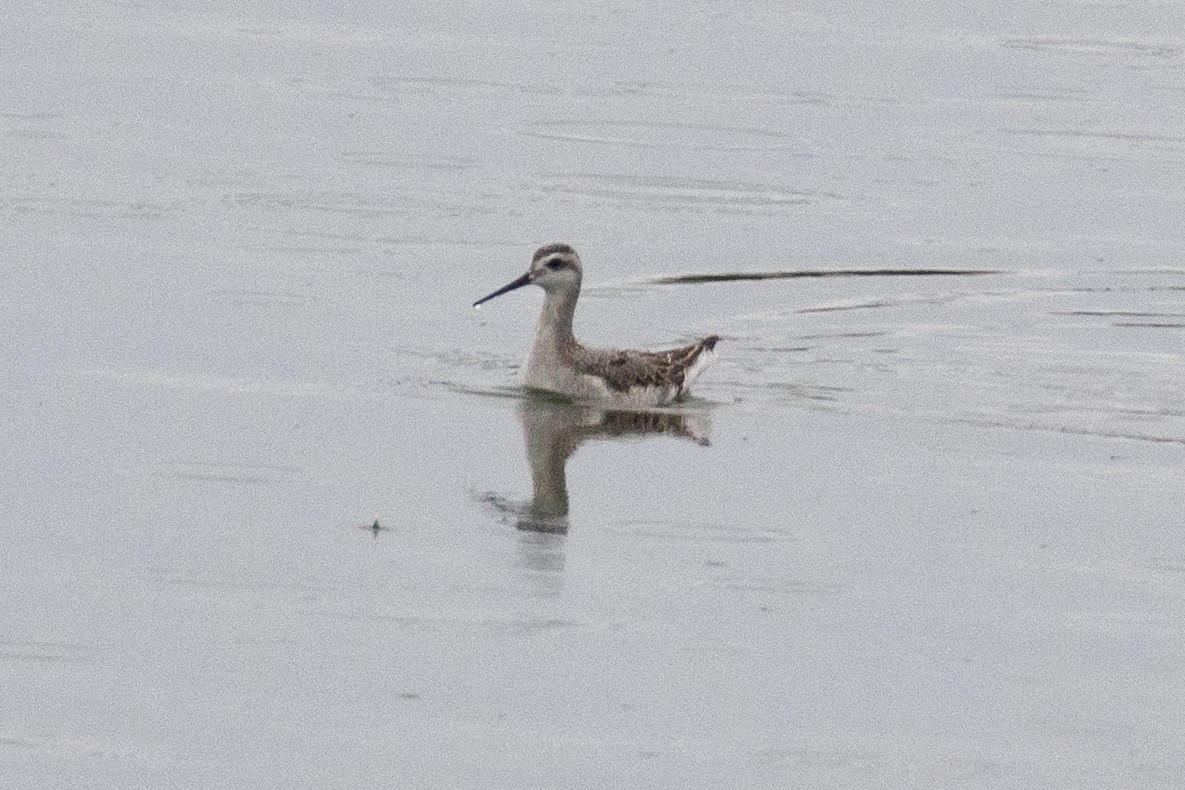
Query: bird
x=561 y=364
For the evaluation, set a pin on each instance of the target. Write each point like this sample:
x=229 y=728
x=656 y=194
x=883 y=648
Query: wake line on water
x=710 y=277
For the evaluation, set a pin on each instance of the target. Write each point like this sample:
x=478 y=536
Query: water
x=920 y=525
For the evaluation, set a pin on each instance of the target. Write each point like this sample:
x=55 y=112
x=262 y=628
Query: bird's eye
x=554 y=264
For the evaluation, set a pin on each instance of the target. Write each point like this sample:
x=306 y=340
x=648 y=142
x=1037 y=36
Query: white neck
x=554 y=328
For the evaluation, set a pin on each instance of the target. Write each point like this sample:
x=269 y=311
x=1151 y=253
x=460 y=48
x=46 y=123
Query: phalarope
x=560 y=363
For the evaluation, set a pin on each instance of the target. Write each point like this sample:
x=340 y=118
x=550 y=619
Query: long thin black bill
x=519 y=283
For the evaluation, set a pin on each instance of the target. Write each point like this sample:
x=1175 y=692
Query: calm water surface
x=277 y=515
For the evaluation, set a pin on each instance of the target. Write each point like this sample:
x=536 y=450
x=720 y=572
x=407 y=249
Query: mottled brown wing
x=623 y=370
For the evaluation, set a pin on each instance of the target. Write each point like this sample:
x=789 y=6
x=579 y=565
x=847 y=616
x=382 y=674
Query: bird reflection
x=553 y=429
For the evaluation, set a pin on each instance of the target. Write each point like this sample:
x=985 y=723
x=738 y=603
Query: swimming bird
x=561 y=364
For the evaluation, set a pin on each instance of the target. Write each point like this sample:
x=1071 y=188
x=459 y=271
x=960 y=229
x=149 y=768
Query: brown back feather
x=622 y=370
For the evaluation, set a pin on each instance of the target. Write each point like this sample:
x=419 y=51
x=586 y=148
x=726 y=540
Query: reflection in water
x=553 y=429
x=540 y=562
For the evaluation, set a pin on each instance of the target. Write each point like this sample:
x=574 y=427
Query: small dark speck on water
x=376 y=528
x=408 y=695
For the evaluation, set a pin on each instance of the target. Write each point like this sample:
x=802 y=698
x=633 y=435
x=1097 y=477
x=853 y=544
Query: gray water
x=276 y=514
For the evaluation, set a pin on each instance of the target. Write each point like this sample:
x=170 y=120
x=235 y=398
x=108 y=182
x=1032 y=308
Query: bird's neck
x=554 y=329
